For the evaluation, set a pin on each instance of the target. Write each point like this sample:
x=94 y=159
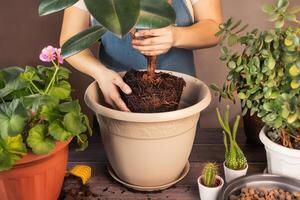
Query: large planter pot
x=150 y=149
x=281 y=160
x=36 y=177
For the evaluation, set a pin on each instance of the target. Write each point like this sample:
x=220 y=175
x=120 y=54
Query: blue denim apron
x=118 y=54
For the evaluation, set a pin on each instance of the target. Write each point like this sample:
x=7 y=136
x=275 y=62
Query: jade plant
x=234 y=156
x=37 y=110
x=265 y=73
x=209 y=175
x=118 y=17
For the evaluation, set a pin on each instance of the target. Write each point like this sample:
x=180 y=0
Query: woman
x=195 y=29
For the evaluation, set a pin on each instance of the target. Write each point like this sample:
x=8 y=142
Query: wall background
x=23 y=34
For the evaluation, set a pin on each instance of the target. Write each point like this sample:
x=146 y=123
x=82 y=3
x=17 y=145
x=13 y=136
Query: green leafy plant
x=209 y=175
x=118 y=17
x=234 y=156
x=37 y=110
x=265 y=73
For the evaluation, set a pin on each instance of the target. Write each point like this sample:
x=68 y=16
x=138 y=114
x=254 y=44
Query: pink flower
x=58 y=55
x=48 y=54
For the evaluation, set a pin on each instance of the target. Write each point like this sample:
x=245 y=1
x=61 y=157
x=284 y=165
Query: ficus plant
x=36 y=110
x=265 y=73
x=234 y=156
x=117 y=16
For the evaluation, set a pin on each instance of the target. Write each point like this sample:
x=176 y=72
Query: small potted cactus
x=209 y=182
x=235 y=164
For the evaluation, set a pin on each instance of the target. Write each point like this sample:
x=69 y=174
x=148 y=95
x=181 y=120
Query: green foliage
x=209 y=174
x=38 y=113
x=50 y=6
x=266 y=72
x=234 y=156
x=82 y=40
x=117 y=16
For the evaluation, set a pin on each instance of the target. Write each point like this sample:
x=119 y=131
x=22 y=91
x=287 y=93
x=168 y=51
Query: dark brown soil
x=73 y=189
x=152 y=94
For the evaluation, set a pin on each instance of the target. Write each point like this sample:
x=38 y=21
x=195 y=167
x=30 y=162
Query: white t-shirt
x=80 y=4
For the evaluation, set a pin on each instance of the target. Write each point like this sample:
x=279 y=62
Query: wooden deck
x=207 y=147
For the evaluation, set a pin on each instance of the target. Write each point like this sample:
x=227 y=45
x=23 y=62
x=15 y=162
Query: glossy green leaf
x=82 y=41
x=268 y=8
x=72 y=106
x=38 y=140
x=47 y=7
x=155 y=14
x=117 y=16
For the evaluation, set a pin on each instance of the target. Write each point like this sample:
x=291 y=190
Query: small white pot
x=281 y=160
x=231 y=174
x=209 y=193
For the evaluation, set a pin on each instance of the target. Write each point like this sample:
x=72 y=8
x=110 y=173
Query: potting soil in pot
x=160 y=93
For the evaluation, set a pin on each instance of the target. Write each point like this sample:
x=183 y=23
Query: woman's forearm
x=199 y=35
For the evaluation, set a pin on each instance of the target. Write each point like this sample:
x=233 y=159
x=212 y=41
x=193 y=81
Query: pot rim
x=204 y=186
x=277 y=147
x=151 y=117
x=31 y=157
x=236 y=170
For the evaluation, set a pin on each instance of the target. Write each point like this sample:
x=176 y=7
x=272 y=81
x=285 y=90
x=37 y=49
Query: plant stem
x=35 y=87
x=52 y=79
x=152 y=60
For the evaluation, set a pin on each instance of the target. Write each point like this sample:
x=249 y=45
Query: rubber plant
x=160 y=92
x=266 y=72
x=37 y=110
x=118 y=17
x=234 y=156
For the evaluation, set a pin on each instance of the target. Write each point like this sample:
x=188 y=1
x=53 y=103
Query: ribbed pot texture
x=36 y=177
x=150 y=149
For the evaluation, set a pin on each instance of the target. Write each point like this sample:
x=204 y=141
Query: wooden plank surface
x=208 y=146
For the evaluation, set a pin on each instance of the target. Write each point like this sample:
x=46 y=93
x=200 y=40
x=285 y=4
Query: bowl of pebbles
x=261 y=187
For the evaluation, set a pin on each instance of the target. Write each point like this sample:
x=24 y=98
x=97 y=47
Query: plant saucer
x=150 y=188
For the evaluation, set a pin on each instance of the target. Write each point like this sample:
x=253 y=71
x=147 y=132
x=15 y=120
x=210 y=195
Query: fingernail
x=127 y=89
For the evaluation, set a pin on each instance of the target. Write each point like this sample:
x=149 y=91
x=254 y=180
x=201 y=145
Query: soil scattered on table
x=73 y=189
x=159 y=93
x=248 y=193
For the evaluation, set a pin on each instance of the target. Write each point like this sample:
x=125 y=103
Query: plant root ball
x=159 y=93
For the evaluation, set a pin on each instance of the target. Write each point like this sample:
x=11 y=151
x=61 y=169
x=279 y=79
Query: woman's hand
x=155 y=42
x=109 y=81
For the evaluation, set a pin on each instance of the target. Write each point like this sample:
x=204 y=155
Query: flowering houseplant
x=37 y=110
x=266 y=72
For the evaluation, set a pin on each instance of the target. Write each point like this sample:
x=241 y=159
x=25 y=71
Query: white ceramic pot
x=281 y=160
x=150 y=149
x=231 y=174
x=209 y=193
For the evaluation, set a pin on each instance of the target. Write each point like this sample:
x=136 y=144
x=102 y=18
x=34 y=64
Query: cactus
x=234 y=156
x=209 y=174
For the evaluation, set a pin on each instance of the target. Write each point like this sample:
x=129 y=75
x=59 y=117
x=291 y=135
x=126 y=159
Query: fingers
x=150 y=41
x=152 y=47
x=154 y=53
x=152 y=32
x=119 y=103
x=118 y=81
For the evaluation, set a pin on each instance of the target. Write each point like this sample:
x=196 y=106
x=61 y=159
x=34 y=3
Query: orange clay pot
x=36 y=177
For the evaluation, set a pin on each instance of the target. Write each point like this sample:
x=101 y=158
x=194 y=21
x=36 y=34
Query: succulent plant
x=265 y=73
x=234 y=156
x=209 y=174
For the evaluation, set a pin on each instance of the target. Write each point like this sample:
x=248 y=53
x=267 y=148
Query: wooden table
x=208 y=146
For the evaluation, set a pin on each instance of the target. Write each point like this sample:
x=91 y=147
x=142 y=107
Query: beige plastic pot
x=150 y=149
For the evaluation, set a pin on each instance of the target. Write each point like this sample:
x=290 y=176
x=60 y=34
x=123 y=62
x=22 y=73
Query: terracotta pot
x=150 y=149
x=252 y=127
x=36 y=177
